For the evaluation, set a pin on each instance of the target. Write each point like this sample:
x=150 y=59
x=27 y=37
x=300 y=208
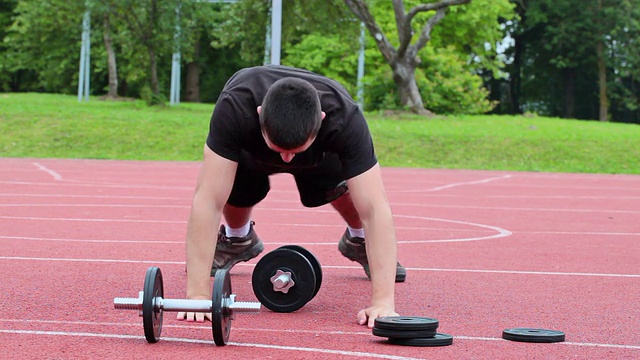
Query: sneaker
x=353 y=248
x=232 y=250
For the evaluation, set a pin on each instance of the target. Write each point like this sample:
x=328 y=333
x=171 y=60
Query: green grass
x=45 y=125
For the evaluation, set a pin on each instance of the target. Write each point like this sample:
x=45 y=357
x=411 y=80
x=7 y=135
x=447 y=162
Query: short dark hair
x=291 y=113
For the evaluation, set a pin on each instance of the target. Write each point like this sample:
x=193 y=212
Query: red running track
x=485 y=251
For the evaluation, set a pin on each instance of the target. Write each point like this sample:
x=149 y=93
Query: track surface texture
x=484 y=251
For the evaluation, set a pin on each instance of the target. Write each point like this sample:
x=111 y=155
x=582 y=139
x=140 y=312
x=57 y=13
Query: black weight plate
x=403 y=334
x=302 y=274
x=533 y=335
x=402 y=323
x=151 y=314
x=314 y=262
x=439 y=340
x=220 y=312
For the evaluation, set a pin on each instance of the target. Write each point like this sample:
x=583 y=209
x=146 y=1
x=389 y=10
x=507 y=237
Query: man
x=275 y=119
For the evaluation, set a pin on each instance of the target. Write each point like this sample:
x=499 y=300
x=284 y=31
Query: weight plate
x=314 y=262
x=533 y=335
x=302 y=274
x=151 y=313
x=439 y=340
x=403 y=334
x=220 y=312
x=402 y=323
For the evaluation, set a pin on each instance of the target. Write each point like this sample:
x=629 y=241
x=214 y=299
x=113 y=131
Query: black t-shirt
x=235 y=127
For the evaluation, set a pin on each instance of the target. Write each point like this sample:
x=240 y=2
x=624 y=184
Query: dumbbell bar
x=151 y=304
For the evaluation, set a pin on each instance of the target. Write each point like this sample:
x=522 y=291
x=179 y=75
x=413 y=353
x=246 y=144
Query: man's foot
x=232 y=250
x=353 y=248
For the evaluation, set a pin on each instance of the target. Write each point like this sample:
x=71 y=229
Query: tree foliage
x=39 y=41
x=569 y=58
x=559 y=70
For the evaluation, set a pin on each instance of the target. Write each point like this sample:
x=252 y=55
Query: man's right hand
x=195 y=316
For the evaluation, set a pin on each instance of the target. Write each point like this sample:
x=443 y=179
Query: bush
x=446 y=85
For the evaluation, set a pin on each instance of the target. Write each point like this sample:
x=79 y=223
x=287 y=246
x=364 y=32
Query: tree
x=39 y=43
x=6 y=14
x=404 y=59
x=152 y=24
x=578 y=59
x=104 y=12
x=197 y=22
x=621 y=38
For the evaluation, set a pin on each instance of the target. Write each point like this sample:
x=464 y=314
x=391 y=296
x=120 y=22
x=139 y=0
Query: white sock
x=356 y=232
x=238 y=232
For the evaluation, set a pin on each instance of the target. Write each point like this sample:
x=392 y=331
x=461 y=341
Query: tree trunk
x=515 y=85
x=408 y=91
x=153 y=69
x=403 y=60
x=602 y=72
x=192 y=81
x=154 y=16
x=111 y=58
x=602 y=84
x=569 y=75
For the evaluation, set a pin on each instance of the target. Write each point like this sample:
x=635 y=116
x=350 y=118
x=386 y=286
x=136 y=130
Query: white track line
x=101 y=186
x=54 y=174
x=93 y=220
x=409 y=242
x=519 y=272
x=390 y=189
x=147 y=206
x=488 y=271
x=98 y=241
x=508 y=208
x=195 y=341
x=187 y=206
x=279 y=347
x=448 y=186
x=188 y=198
x=499 y=231
x=71 y=196
x=617 y=346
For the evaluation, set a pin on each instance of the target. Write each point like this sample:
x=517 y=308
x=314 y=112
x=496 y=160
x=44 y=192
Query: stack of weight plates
x=411 y=331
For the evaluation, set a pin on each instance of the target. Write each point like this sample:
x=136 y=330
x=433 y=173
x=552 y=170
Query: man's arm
x=370 y=200
x=214 y=185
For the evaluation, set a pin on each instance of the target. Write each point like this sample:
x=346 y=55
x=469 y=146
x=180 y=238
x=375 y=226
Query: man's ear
x=260 y=109
x=321 y=112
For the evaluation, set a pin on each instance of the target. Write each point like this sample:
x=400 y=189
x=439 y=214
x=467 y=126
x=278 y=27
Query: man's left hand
x=367 y=316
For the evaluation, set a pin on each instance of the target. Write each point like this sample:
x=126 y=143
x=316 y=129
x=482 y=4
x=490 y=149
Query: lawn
x=46 y=125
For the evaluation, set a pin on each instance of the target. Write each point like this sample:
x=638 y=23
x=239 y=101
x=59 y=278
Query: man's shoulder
x=265 y=75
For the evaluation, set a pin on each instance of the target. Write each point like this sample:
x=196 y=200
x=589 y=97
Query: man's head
x=290 y=115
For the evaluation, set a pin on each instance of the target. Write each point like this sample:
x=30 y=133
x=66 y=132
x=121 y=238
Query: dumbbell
x=151 y=305
x=287 y=278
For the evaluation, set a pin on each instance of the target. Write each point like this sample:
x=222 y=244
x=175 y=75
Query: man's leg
x=237 y=241
x=352 y=244
x=344 y=206
x=236 y=217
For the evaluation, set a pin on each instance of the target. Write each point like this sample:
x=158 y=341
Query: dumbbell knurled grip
x=185 y=305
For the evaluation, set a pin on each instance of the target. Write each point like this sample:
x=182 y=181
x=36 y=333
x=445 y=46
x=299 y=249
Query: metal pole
x=87 y=68
x=174 y=96
x=360 y=84
x=81 y=74
x=267 y=42
x=85 y=60
x=276 y=31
